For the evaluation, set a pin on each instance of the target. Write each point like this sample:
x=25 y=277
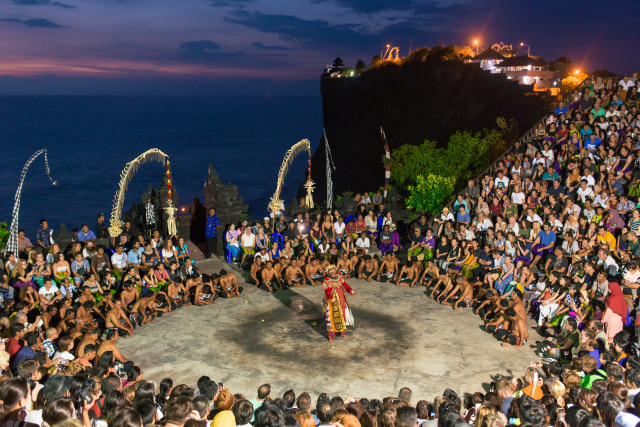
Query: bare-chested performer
x=368 y=268
x=89 y=337
x=109 y=344
x=86 y=295
x=517 y=333
x=420 y=265
x=192 y=281
x=84 y=315
x=116 y=318
x=344 y=266
x=255 y=272
x=176 y=293
x=408 y=275
x=294 y=276
x=430 y=275
x=444 y=280
x=270 y=278
x=461 y=295
x=140 y=312
x=281 y=267
x=486 y=302
x=229 y=286
x=388 y=271
x=313 y=272
x=518 y=323
x=357 y=260
x=129 y=295
x=205 y=293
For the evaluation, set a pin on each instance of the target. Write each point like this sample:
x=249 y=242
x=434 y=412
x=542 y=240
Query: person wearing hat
x=336 y=306
x=445 y=216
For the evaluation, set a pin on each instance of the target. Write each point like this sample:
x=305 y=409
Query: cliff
x=412 y=101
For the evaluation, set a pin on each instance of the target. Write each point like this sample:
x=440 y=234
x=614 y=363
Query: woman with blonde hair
x=483 y=411
x=558 y=391
x=20 y=276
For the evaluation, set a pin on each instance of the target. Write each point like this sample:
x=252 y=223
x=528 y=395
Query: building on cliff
x=488 y=59
x=528 y=70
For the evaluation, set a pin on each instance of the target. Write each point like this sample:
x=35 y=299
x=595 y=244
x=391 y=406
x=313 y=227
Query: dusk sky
x=97 y=46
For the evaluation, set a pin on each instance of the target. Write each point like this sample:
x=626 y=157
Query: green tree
x=360 y=67
x=465 y=155
x=430 y=193
x=348 y=72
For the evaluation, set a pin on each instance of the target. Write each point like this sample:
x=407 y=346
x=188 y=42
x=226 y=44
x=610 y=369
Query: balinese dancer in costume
x=336 y=306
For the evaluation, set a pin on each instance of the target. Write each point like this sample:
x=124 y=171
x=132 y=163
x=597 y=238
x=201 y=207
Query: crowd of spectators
x=583 y=394
x=551 y=232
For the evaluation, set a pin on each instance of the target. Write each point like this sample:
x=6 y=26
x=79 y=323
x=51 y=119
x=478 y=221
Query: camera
x=84 y=392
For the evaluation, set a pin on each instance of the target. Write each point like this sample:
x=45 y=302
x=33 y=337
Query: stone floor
x=401 y=338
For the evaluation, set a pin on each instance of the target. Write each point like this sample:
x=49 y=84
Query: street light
x=385 y=54
x=528 y=48
x=476 y=43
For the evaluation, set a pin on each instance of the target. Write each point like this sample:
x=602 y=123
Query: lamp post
x=385 y=53
x=528 y=48
x=475 y=42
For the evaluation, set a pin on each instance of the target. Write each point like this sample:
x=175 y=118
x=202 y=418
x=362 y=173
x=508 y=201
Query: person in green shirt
x=263 y=394
x=591 y=372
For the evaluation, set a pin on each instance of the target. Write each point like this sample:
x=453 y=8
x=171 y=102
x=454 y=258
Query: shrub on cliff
x=466 y=153
x=430 y=193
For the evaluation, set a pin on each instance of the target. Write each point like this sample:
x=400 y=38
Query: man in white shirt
x=247 y=243
x=601 y=199
x=626 y=83
x=532 y=216
x=501 y=181
x=338 y=227
x=363 y=242
x=607 y=262
x=588 y=176
x=484 y=223
x=120 y=262
x=572 y=207
x=584 y=192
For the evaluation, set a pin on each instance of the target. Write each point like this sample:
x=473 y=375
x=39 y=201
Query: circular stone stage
x=401 y=338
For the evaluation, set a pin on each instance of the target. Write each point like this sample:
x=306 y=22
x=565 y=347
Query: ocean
x=89 y=140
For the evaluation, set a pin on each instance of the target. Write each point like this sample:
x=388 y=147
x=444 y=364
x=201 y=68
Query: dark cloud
x=200 y=46
x=375 y=6
x=263 y=46
x=43 y=3
x=238 y=4
x=204 y=51
x=34 y=22
x=316 y=33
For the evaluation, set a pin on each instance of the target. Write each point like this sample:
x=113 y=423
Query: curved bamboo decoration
x=289 y=156
x=152 y=155
x=12 y=243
